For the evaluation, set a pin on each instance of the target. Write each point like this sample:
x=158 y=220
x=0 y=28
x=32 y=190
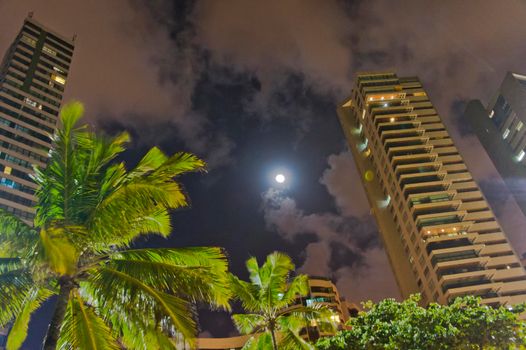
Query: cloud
x=274 y=37
x=127 y=66
x=342 y=181
x=347 y=247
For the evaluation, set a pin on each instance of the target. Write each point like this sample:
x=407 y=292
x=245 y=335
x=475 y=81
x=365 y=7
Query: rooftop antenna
x=30 y=14
x=74 y=37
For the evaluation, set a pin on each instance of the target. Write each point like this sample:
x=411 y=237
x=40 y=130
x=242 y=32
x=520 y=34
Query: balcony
x=453 y=254
x=431 y=221
x=445 y=244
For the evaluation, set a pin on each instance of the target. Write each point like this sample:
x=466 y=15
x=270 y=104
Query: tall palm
x=273 y=316
x=89 y=210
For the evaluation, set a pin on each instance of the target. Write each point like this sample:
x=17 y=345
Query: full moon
x=280 y=178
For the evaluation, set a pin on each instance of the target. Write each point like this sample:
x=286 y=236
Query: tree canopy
x=464 y=324
x=89 y=210
x=269 y=299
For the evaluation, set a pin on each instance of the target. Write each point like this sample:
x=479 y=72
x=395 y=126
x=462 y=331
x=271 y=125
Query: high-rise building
x=33 y=76
x=323 y=291
x=440 y=235
x=501 y=130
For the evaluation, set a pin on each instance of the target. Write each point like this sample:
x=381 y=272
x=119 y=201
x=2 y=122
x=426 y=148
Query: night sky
x=252 y=87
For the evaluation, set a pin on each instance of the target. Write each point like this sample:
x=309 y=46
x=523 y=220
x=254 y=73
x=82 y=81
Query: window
x=491 y=114
x=30 y=102
x=520 y=156
x=519 y=125
x=48 y=50
x=28 y=40
x=58 y=79
x=505 y=133
x=56 y=69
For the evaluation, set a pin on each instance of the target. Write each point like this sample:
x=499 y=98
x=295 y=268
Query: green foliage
x=33 y=300
x=465 y=324
x=90 y=208
x=84 y=329
x=267 y=300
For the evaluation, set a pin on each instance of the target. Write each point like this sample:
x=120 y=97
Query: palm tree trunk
x=274 y=344
x=53 y=332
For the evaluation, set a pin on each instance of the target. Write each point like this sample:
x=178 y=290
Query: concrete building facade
x=33 y=76
x=440 y=235
x=501 y=130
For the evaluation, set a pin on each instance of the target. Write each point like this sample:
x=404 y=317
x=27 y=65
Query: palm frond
x=151 y=161
x=291 y=340
x=177 y=164
x=84 y=329
x=271 y=277
x=32 y=301
x=248 y=294
x=57 y=182
x=259 y=341
x=14 y=287
x=249 y=323
x=197 y=274
x=113 y=289
x=299 y=286
x=10 y=264
x=61 y=254
x=16 y=237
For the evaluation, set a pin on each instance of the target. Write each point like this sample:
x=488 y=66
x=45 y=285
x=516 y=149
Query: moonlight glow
x=280 y=178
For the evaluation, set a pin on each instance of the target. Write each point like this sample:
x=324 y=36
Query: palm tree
x=273 y=316
x=89 y=210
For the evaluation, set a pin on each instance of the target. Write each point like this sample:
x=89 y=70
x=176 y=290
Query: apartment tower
x=501 y=130
x=441 y=237
x=33 y=76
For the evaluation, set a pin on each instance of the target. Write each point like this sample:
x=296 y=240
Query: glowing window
x=58 y=79
x=491 y=114
x=420 y=93
x=7 y=170
x=521 y=155
x=30 y=102
x=519 y=125
x=505 y=133
x=56 y=69
x=28 y=40
x=49 y=50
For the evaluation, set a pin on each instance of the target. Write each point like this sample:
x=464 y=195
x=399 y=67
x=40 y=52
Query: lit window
x=363 y=113
x=420 y=93
x=491 y=113
x=519 y=125
x=30 y=102
x=521 y=155
x=56 y=69
x=58 y=79
x=7 y=170
x=28 y=40
x=48 y=50
x=505 y=133
x=392 y=119
x=382 y=98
